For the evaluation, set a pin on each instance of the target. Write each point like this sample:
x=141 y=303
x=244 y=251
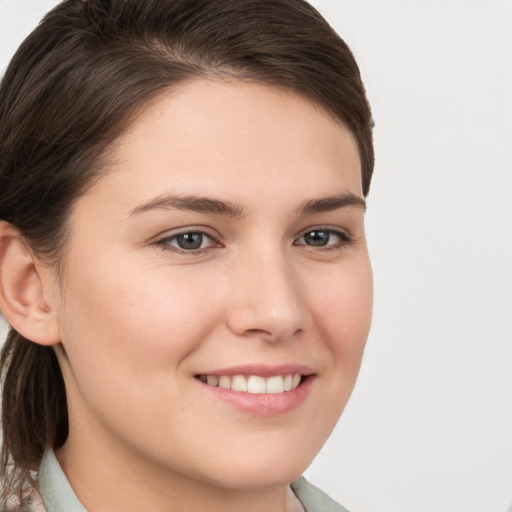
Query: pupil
x=316 y=238
x=190 y=240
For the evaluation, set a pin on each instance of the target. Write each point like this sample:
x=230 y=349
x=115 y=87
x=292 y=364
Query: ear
x=22 y=294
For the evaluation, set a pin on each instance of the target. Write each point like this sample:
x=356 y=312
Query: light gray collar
x=56 y=493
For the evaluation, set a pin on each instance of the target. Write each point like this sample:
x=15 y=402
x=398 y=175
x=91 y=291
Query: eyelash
x=165 y=243
x=345 y=239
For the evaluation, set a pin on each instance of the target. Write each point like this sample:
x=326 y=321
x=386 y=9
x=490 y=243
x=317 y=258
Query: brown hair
x=69 y=92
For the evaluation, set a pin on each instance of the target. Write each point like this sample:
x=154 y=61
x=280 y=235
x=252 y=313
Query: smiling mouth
x=254 y=384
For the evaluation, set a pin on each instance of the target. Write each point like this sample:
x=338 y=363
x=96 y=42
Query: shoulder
x=313 y=499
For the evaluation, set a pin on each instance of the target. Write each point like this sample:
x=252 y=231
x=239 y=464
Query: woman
x=182 y=254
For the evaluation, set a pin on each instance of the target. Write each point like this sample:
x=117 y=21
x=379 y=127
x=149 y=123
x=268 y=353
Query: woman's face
x=224 y=247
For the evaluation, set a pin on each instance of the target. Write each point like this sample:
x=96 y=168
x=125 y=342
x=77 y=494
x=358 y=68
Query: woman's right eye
x=188 y=241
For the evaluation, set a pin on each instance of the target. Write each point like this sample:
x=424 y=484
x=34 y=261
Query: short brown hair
x=69 y=92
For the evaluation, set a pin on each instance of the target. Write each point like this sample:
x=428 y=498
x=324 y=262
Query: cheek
x=127 y=324
x=141 y=314
x=342 y=303
x=127 y=339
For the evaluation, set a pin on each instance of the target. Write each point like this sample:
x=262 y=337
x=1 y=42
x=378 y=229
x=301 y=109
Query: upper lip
x=262 y=370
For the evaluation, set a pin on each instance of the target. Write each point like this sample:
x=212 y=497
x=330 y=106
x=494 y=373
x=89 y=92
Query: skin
x=138 y=318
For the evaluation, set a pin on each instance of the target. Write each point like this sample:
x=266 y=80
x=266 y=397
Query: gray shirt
x=58 y=496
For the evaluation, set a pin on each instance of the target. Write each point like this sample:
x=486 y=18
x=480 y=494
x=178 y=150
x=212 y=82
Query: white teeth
x=288 y=383
x=254 y=383
x=213 y=380
x=224 y=382
x=275 y=385
x=239 y=383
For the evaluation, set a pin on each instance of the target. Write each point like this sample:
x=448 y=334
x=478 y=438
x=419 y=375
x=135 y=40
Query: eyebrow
x=328 y=204
x=190 y=203
x=202 y=204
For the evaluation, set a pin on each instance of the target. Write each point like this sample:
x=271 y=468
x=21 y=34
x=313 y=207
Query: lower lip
x=265 y=404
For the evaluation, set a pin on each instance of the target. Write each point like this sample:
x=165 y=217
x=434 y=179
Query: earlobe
x=22 y=294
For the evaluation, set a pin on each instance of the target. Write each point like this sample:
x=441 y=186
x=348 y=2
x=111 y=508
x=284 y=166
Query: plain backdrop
x=429 y=426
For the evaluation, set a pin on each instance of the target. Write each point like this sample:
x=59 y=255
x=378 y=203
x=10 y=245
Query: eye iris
x=190 y=240
x=317 y=238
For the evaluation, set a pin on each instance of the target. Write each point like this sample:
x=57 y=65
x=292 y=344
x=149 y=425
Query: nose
x=266 y=299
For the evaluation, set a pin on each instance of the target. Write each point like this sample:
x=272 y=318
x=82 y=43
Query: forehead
x=209 y=133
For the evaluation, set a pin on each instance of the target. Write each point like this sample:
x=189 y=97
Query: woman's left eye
x=190 y=241
x=323 y=237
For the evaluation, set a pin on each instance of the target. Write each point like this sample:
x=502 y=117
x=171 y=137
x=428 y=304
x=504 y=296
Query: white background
x=429 y=427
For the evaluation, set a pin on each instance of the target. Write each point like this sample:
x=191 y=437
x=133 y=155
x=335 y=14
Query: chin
x=254 y=477
x=263 y=466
